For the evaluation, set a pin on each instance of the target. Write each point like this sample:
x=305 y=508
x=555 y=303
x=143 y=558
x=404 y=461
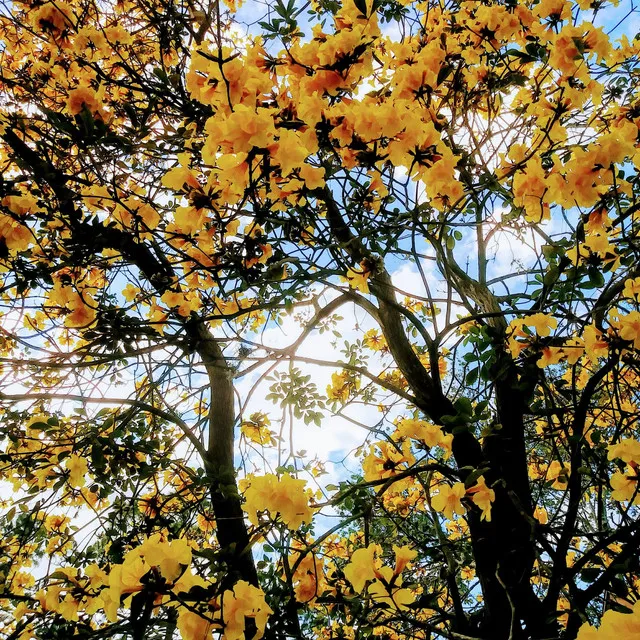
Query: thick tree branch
x=91 y=237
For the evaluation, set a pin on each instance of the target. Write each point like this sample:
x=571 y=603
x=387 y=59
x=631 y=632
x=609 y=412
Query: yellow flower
x=374 y=340
x=180 y=179
x=573 y=349
x=313 y=177
x=125 y=578
x=50 y=599
x=20 y=204
x=343 y=384
x=482 y=496
x=515 y=345
x=308 y=579
x=193 y=626
x=244 y=129
x=365 y=566
x=467 y=573
x=283 y=495
x=385 y=459
x=625 y=486
x=130 y=292
x=632 y=288
x=529 y=190
x=83 y=98
x=170 y=558
x=541 y=515
x=51 y=18
x=359 y=278
x=79 y=307
x=245 y=601
x=256 y=429
x=614 y=626
x=446 y=444
x=448 y=500
x=430 y=434
x=56 y=523
x=77 y=467
x=362 y=567
x=68 y=608
x=550 y=356
x=559 y=473
x=556 y=9
x=404 y=555
x=542 y=323
x=630 y=328
x=83 y=312
x=628 y=450
x=594 y=344
x=393 y=595
x=290 y=153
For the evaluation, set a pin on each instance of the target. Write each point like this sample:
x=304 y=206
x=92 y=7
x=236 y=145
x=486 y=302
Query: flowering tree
x=181 y=178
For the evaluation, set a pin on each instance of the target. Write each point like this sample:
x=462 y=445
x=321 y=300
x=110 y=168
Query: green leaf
x=361 y=6
x=472 y=375
x=596 y=277
x=463 y=407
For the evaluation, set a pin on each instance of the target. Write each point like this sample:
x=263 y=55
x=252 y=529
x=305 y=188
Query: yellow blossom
x=284 y=495
x=625 y=486
x=256 y=429
x=359 y=278
x=245 y=601
x=404 y=555
x=628 y=450
x=386 y=459
x=559 y=474
x=77 y=467
x=130 y=292
x=594 y=343
x=84 y=98
x=362 y=567
x=448 y=500
x=542 y=323
x=392 y=595
x=630 y=328
x=374 y=340
x=550 y=356
x=482 y=496
x=614 y=626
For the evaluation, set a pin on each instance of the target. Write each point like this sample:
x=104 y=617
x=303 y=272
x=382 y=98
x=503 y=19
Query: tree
x=460 y=177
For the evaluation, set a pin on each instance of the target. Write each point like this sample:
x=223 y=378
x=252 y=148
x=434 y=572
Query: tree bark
x=91 y=237
x=504 y=549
